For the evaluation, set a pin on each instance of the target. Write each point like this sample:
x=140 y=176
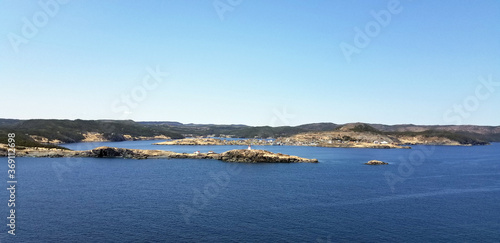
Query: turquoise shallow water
x=436 y=193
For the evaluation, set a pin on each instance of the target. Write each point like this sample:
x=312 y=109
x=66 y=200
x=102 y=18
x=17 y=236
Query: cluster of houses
x=316 y=142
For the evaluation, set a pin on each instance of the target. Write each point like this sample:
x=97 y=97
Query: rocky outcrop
x=341 y=139
x=44 y=140
x=237 y=155
x=100 y=137
x=261 y=156
x=46 y=152
x=136 y=138
x=427 y=140
x=93 y=137
x=359 y=135
x=193 y=141
x=376 y=162
x=111 y=152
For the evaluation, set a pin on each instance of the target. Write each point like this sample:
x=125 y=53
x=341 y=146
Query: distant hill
x=463 y=134
x=324 y=126
x=178 y=124
x=189 y=130
x=241 y=131
x=36 y=131
x=486 y=133
x=8 y=122
x=267 y=132
x=31 y=132
x=353 y=134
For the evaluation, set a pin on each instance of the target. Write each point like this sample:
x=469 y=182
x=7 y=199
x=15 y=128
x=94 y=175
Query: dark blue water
x=426 y=194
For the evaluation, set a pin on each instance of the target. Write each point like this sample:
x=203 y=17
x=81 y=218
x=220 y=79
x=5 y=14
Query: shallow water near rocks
x=427 y=193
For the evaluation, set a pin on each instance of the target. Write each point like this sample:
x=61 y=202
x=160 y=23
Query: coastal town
x=314 y=142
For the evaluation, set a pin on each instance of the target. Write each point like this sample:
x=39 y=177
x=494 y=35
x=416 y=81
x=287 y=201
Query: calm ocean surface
x=428 y=193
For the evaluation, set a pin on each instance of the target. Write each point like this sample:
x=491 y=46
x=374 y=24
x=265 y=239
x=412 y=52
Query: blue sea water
x=425 y=194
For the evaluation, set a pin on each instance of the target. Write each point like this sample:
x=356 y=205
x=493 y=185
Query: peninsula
x=236 y=155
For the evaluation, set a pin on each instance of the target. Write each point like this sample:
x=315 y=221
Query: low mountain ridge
x=47 y=132
x=349 y=135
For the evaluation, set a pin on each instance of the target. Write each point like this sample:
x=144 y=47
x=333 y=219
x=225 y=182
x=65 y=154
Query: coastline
x=278 y=142
x=235 y=155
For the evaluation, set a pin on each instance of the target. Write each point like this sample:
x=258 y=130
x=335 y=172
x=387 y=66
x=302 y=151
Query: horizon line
x=240 y=124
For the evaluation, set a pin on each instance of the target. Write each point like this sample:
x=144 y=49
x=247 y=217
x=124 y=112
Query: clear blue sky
x=265 y=63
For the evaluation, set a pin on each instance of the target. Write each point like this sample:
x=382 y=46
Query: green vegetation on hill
x=472 y=139
x=266 y=131
x=240 y=131
x=24 y=140
x=69 y=131
x=486 y=133
x=323 y=126
x=460 y=137
x=196 y=130
x=365 y=128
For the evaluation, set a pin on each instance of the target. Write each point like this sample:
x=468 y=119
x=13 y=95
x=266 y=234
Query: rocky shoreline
x=236 y=155
x=215 y=141
x=98 y=137
x=281 y=141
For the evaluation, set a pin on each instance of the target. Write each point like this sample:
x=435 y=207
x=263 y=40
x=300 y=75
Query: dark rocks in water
x=376 y=162
x=237 y=155
x=109 y=152
x=261 y=156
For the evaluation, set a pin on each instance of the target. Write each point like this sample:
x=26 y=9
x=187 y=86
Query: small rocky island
x=376 y=162
x=236 y=155
x=260 y=156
